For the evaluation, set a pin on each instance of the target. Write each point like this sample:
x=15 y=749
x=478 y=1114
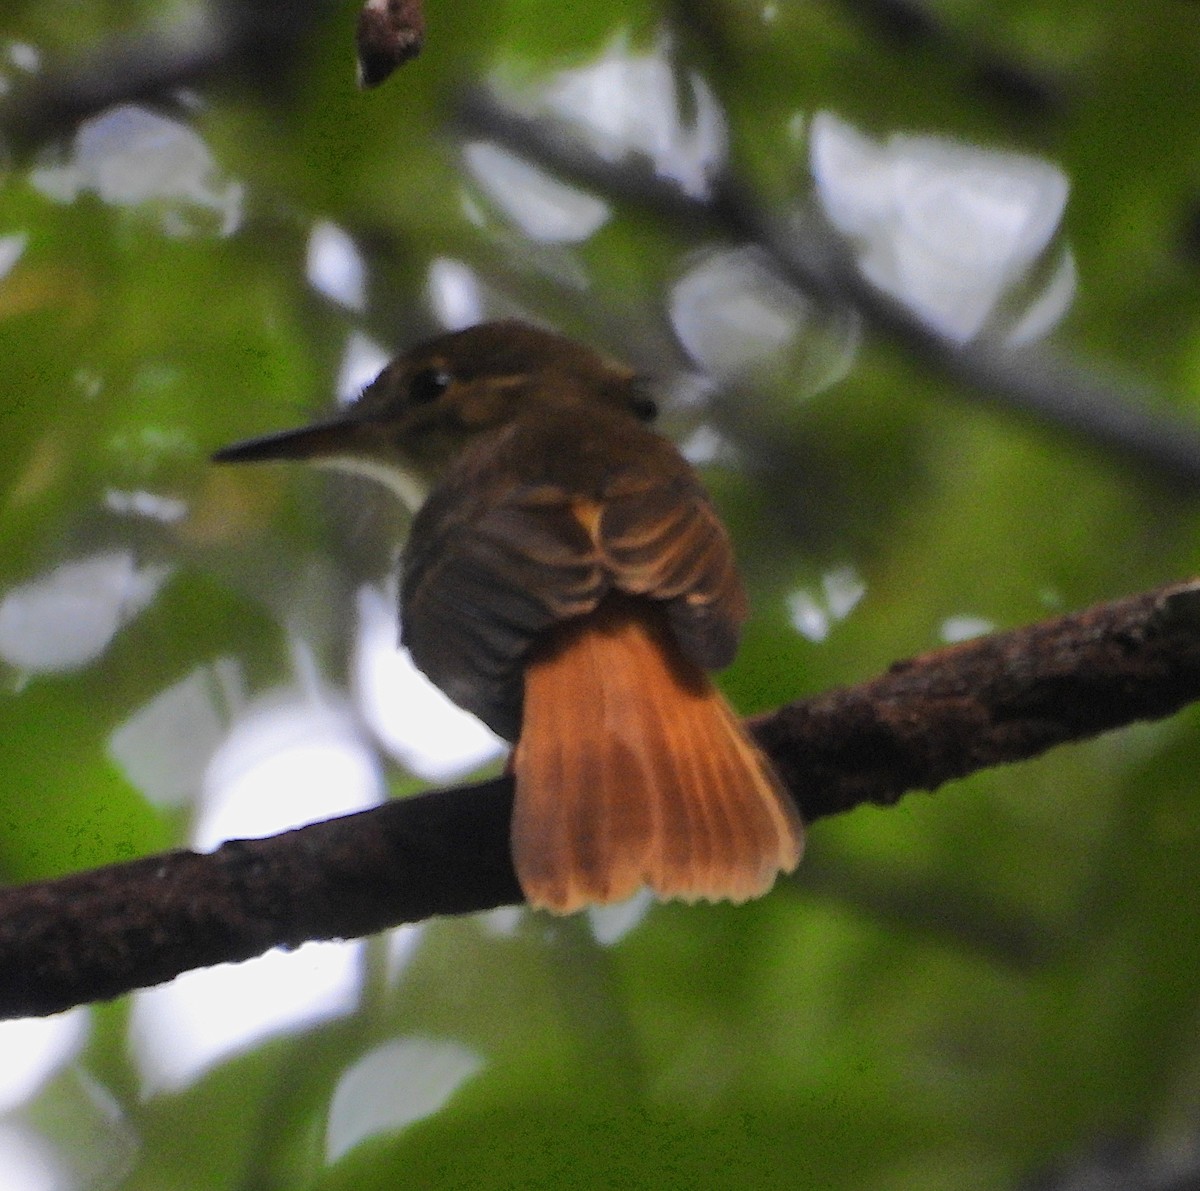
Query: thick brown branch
x=989 y=701
x=939 y=716
x=98 y=934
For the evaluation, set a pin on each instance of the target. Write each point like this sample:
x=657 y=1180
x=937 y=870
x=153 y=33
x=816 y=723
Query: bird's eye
x=644 y=408
x=428 y=385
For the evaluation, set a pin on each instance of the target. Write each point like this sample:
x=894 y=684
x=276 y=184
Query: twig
x=256 y=41
x=1029 y=93
x=942 y=715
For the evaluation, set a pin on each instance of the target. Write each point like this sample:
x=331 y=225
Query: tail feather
x=632 y=770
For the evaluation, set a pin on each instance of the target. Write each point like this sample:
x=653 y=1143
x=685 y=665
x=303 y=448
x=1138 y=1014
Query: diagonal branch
x=945 y=714
x=1124 y=419
x=989 y=701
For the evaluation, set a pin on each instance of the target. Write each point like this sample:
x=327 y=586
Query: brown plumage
x=632 y=770
x=568 y=581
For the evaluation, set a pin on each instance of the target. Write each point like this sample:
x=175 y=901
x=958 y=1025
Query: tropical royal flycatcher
x=567 y=580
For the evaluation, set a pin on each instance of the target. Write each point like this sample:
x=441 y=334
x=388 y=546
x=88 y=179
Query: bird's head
x=428 y=403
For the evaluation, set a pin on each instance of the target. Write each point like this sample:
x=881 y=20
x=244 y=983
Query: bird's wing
x=492 y=565
x=663 y=539
x=484 y=587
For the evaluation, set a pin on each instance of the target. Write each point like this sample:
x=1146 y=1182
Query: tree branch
x=945 y=714
x=989 y=701
x=259 y=42
x=1127 y=421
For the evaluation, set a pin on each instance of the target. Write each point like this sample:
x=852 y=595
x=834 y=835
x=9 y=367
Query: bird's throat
x=406 y=483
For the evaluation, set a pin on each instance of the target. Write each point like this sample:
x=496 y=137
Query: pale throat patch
x=406 y=484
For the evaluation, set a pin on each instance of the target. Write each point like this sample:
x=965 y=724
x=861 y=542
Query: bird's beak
x=321 y=443
x=359 y=445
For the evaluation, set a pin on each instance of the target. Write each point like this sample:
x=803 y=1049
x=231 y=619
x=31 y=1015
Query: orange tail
x=632 y=770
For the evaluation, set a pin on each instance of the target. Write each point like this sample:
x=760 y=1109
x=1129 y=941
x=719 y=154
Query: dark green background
x=957 y=992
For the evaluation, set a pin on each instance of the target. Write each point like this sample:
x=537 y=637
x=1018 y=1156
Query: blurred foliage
x=957 y=992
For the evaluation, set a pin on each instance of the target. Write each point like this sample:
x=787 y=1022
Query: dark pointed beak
x=323 y=441
x=361 y=442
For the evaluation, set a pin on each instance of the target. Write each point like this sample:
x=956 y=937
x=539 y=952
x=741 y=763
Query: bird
x=567 y=579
